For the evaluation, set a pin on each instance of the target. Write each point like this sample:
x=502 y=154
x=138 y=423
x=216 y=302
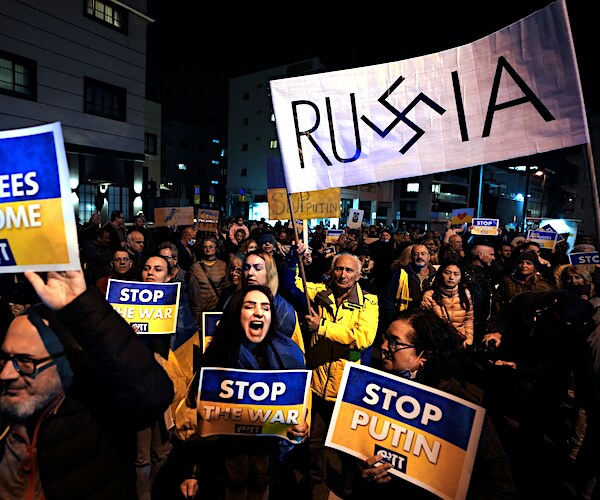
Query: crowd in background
x=524 y=318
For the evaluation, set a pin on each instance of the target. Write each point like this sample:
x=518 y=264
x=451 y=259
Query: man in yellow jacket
x=343 y=322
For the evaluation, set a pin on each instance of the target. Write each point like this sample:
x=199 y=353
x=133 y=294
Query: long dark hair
x=224 y=348
x=438 y=340
x=438 y=287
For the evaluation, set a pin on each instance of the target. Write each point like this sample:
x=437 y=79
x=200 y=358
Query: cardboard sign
x=324 y=203
x=207 y=220
x=462 y=215
x=485 y=227
x=151 y=307
x=584 y=258
x=174 y=216
x=355 y=218
x=252 y=402
x=546 y=239
x=430 y=437
x=333 y=235
x=37 y=222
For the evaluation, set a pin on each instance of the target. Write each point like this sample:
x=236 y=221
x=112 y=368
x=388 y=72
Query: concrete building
x=83 y=64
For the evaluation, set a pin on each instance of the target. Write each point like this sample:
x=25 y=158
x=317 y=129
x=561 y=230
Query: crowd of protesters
x=517 y=322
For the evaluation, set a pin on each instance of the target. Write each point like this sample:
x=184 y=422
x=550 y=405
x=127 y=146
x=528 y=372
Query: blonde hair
x=404 y=259
x=271 y=267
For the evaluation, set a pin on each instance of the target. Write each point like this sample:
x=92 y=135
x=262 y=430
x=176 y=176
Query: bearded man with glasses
x=76 y=385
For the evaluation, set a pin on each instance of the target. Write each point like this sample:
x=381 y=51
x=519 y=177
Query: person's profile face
x=486 y=255
x=397 y=349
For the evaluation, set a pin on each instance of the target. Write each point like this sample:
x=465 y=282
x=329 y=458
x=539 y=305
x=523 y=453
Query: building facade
x=83 y=64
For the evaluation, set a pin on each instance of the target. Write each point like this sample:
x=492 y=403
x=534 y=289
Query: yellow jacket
x=344 y=332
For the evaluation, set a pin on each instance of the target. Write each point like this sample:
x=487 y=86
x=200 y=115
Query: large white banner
x=513 y=93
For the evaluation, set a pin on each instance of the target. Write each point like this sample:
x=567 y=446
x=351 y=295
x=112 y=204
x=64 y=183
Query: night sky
x=194 y=48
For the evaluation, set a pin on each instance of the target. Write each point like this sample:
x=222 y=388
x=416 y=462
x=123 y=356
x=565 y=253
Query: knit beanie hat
x=267 y=237
x=531 y=256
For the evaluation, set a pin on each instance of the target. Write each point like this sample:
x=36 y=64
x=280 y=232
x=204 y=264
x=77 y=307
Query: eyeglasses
x=169 y=258
x=395 y=345
x=24 y=365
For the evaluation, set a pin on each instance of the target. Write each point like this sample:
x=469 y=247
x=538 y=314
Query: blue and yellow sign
x=35 y=202
x=546 y=239
x=149 y=307
x=252 y=402
x=430 y=437
x=210 y=320
x=462 y=215
x=485 y=227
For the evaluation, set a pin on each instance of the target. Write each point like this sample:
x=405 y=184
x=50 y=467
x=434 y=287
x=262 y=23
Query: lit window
x=182 y=166
x=215 y=162
x=105 y=100
x=412 y=187
x=273 y=144
x=435 y=188
x=108 y=13
x=214 y=182
x=216 y=141
x=18 y=76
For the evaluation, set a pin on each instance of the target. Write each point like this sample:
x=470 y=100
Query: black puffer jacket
x=87 y=447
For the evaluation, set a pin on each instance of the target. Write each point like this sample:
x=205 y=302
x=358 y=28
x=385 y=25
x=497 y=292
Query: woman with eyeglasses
x=207 y=278
x=235 y=273
x=421 y=346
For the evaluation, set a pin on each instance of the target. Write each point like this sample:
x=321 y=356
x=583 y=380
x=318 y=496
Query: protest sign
x=546 y=239
x=210 y=320
x=485 y=227
x=207 y=220
x=435 y=113
x=307 y=205
x=333 y=235
x=173 y=216
x=151 y=307
x=430 y=437
x=584 y=258
x=36 y=211
x=252 y=402
x=355 y=218
x=462 y=215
